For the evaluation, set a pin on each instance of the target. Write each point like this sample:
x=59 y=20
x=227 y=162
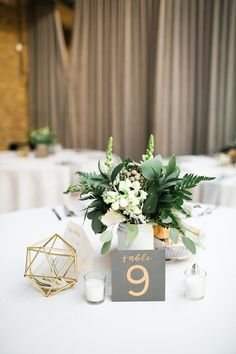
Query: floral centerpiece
x=42 y=136
x=137 y=193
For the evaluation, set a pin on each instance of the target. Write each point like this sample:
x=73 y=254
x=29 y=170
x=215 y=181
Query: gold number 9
x=144 y=279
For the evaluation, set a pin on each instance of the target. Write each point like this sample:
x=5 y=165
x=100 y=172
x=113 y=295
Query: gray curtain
x=194 y=106
x=139 y=66
x=109 y=74
x=48 y=91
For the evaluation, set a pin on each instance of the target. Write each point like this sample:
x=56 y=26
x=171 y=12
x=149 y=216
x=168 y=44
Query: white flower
x=131 y=194
x=133 y=200
x=123 y=202
x=112 y=217
x=137 y=210
x=124 y=186
x=115 y=205
x=143 y=195
x=142 y=218
x=136 y=186
x=110 y=197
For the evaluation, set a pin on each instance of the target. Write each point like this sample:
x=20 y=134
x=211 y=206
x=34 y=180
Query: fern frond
x=190 y=180
x=72 y=189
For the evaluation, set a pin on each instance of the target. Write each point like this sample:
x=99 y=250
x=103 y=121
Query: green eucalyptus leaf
x=168 y=198
x=189 y=244
x=174 y=235
x=151 y=169
x=106 y=236
x=167 y=220
x=164 y=214
x=106 y=247
x=98 y=226
x=169 y=184
x=97 y=204
x=171 y=165
x=93 y=214
x=117 y=170
x=195 y=239
x=132 y=232
x=103 y=173
x=173 y=176
x=150 y=204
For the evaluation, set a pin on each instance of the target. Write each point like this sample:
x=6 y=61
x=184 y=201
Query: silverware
x=68 y=212
x=207 y=211
x=56 y=213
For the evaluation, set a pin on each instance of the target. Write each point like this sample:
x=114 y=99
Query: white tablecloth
x=222 y=190
x=65 y=323
x=27 y=182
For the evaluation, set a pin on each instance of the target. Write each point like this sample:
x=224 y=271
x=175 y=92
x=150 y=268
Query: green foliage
x=150 y=149
x=132 y=232
x=190 y=181
x=42 y=136
x=116 y=170
x=174 y=235
x=151 y=169
x=189 y=244
x=106 y=247
x=106 y=236
x=108 y=160
x=97 y=226
x=171 y=167
x=163 y=204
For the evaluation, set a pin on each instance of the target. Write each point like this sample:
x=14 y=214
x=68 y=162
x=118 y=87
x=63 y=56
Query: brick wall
x=14 y=122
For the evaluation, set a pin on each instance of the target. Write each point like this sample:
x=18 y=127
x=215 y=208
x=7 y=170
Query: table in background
x=27 y=182
x=65 y=323
x=222 y=190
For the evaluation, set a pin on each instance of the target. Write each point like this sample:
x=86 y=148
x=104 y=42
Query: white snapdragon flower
x=124 y=186
x=115 y=206
x=142 y=218
x=143 y=195
x=133 y=199
x=137 y=210
x=110 y=197
x=136 y=186
x=124 y=202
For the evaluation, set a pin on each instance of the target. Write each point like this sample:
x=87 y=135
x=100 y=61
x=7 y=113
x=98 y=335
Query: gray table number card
x=138 y=275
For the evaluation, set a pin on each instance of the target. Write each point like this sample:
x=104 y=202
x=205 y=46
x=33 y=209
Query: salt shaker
x=195 y=282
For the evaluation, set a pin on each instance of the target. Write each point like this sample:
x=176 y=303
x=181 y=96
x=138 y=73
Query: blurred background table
x=27 y=182
x=222 y=190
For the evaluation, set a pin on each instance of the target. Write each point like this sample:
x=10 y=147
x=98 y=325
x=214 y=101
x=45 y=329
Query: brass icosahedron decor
x=51 y=265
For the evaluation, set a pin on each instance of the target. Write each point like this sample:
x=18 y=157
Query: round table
x=66 y=323
x=27 y=182
x=222 y=190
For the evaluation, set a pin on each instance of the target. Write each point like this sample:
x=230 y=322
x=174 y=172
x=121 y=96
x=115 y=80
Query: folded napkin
x=76 y=236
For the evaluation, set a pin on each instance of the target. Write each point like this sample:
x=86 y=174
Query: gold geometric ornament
x=51 y=265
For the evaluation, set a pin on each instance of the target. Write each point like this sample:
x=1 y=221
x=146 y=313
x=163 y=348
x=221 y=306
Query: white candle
x=195 y=282
x=95 y=290
x=195 y=287
x=94 y=287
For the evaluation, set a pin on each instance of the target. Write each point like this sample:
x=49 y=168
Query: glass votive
x=195 y=283
x=95 y=287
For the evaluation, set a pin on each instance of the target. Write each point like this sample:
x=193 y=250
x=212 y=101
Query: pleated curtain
x=194 y=108
x=48 y=68
x=142 y=66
